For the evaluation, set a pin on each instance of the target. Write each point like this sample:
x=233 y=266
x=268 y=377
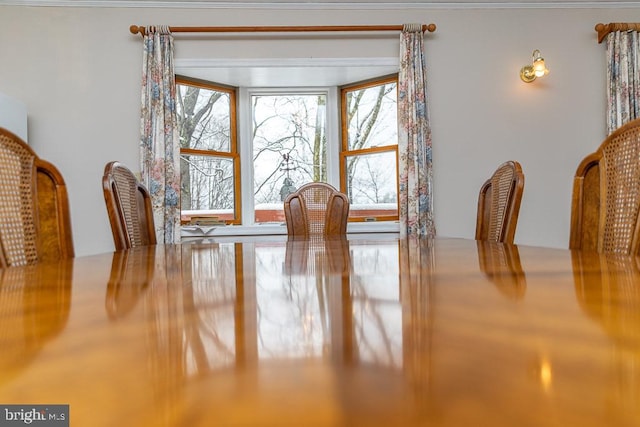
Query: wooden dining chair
x=35 y=222
x=499 y=204
x=128 y=206
x=316 y=209
x=606 y=195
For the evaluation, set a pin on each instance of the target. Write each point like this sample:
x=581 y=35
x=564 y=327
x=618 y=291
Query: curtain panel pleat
x=623 y=77
x=415 y=198
x=159 y=144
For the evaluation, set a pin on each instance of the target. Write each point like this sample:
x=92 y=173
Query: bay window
x=289 y=136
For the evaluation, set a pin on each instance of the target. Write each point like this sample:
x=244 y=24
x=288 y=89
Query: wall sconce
x=529 y=73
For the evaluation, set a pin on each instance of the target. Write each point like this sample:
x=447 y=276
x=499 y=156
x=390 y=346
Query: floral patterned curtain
x=415 y=196
x=159 y=144
x=623 y=77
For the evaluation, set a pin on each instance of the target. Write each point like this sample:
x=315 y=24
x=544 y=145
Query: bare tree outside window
x=207 y=166
x=289 y=146
x=370 y=147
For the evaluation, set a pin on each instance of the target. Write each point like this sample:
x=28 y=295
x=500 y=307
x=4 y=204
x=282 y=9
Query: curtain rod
x=135 y=29
x=604 y=29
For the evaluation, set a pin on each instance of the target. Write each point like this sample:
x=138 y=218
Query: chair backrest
x=35 y=222
x=499 y=204
x=316 y=209
x=606 y=195
x=128 y=206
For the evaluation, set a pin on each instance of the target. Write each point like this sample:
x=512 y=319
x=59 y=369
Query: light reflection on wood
x=25 y=327
x=501 y=263
x=350 y=332
x=608 y=290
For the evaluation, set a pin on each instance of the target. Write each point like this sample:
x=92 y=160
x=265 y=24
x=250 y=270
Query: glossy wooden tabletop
x=448 y=332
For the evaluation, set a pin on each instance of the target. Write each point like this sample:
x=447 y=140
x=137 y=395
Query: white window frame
x=245 y=143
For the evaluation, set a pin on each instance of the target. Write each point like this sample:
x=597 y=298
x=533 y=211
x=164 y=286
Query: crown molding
x=330 y=5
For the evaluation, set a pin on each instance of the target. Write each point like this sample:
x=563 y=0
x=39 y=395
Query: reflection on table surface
x=445 y=332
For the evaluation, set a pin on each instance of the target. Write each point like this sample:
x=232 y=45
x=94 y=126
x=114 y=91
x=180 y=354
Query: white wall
x=78 y=72
x=13 y=116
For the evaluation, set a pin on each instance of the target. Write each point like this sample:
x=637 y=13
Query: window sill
x=279 y=229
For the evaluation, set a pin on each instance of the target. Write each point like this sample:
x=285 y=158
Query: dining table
x=352 y=331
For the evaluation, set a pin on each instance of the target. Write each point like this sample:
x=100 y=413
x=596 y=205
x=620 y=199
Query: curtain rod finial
x=137 y=30
x=431 y=28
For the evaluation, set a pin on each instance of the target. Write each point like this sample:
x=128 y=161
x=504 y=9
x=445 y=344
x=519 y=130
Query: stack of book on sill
x=206 y=221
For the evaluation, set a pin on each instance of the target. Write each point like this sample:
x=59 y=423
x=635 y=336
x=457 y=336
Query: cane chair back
x=128 y=206
x=605 y=204
x=499 y=204
x=316 y=209
x=35 y=223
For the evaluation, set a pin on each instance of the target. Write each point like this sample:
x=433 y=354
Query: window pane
x=289 y=148
x=372 y=117
x=207 y=186
x=372 y=184
x=203 y=118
